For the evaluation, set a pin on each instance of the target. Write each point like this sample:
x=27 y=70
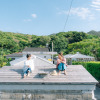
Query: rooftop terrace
x=76 y=74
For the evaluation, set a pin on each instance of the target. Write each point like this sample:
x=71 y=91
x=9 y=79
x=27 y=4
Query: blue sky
x=44 y=17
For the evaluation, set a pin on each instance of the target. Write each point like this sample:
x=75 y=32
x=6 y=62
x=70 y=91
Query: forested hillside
x=13 y=42
x=68 y=42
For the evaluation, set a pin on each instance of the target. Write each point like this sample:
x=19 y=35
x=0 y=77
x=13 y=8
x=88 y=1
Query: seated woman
x=61 y=64
x=63 y=59
x=28 y=65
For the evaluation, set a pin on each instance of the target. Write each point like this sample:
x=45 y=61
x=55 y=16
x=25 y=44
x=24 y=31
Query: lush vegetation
x=87 y=46
x=92 y=67
x=68 y=42
x=10 y=43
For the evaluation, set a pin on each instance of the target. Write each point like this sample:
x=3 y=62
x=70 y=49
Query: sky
x=45 y=17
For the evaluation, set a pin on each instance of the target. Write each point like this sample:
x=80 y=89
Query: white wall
x=42 y=56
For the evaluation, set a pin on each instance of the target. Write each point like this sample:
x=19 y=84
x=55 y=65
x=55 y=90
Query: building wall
x=44 y=92
x=47 y=95
x=42 y=56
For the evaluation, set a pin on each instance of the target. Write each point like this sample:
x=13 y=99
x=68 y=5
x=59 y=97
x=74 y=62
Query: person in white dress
x=28 y=65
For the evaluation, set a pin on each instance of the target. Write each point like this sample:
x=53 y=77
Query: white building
x=79 y=57
x=14 y=56
x=41 y=52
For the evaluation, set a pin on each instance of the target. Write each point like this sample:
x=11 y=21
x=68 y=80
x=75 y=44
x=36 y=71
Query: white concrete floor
x=97 y=93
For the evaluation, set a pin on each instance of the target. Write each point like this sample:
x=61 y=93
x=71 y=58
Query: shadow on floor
x=19 y=71
x=45 y=72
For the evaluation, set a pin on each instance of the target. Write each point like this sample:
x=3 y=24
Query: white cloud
x=63 y=12
x=96 y=4
x=34 y=15
x=27 y=20
x=83 y=13
x=98 y=9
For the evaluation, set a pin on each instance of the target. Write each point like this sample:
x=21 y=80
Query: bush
x=92 y=67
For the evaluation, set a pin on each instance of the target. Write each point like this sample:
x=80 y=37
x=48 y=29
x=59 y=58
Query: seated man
x=28 y=65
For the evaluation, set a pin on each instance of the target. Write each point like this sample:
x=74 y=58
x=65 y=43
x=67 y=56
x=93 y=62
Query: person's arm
x=28 y=66
x=64 y=61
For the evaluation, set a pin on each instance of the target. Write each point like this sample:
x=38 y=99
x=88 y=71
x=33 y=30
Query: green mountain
x=94 y=33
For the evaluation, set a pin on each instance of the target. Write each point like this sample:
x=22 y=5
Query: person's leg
x=59 y=68
x=28 y=71
x=59 y=72
x=25 y=73
x=64 y=68
x=65 y=72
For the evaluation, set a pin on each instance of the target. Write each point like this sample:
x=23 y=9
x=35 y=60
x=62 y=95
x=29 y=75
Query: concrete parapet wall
x=46 y=92
x=47 y=95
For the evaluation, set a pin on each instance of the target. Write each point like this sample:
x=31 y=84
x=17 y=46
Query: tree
x=60 y=43
x=40 y=41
